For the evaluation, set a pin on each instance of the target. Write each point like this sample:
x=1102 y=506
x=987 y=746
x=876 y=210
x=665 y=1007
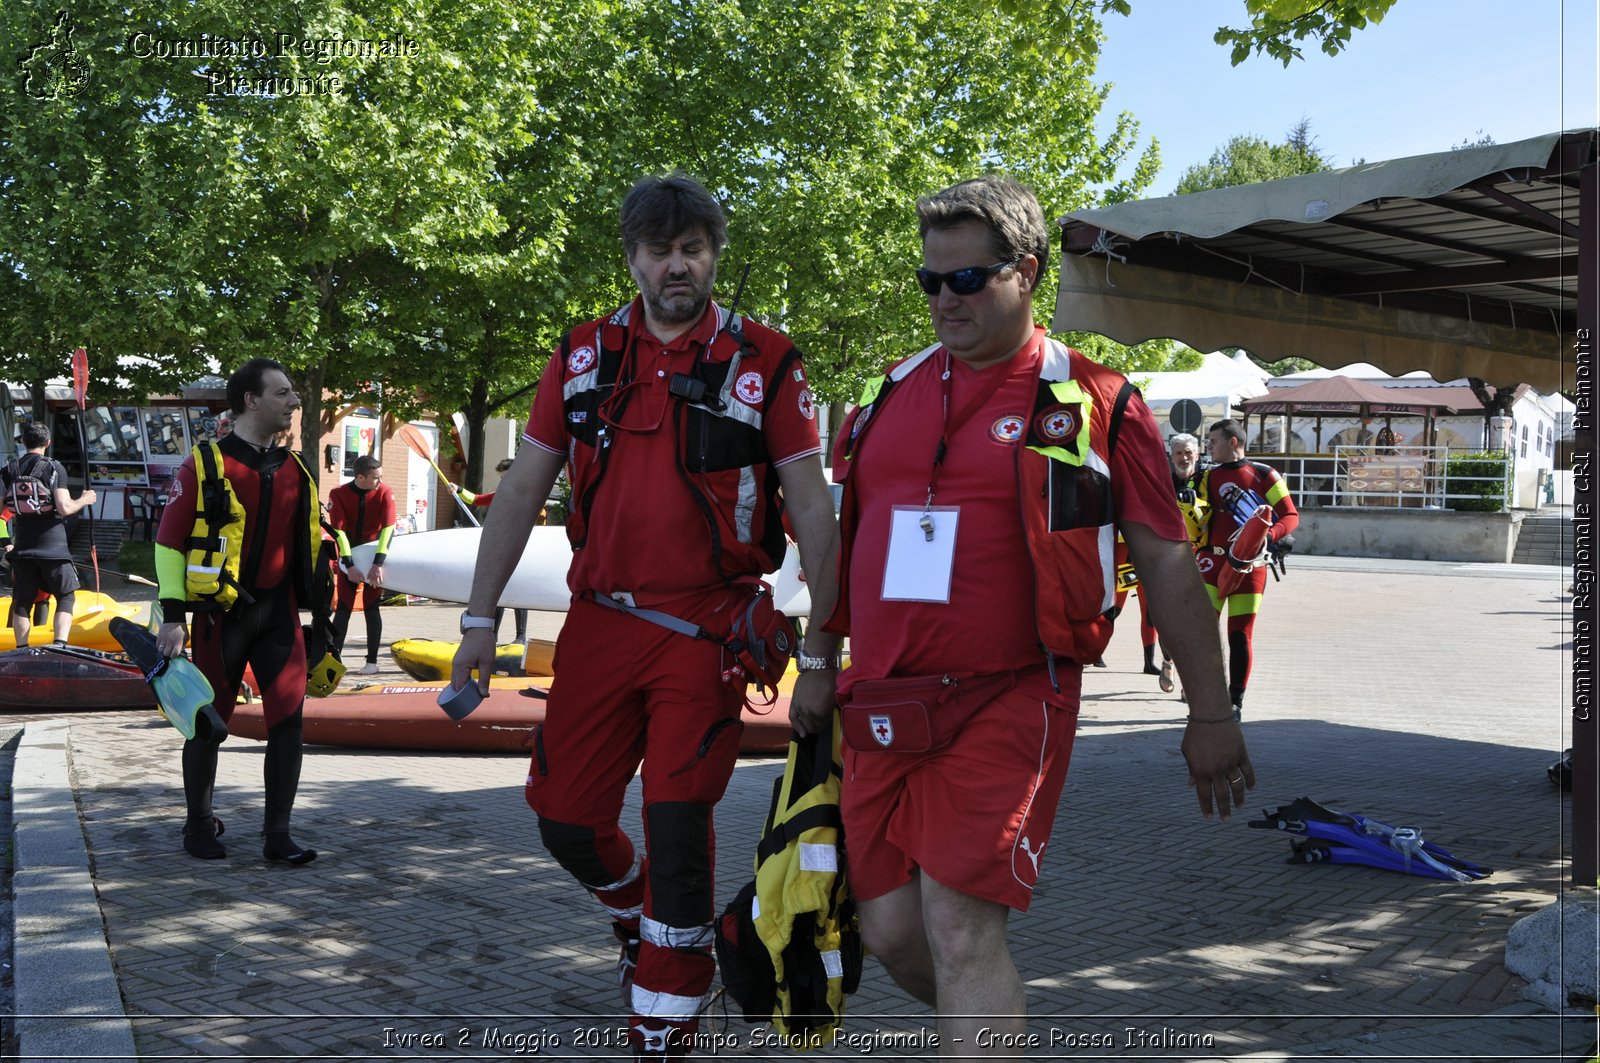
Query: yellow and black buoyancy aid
x=214 y=551
x=215 y=546
x=789 y=944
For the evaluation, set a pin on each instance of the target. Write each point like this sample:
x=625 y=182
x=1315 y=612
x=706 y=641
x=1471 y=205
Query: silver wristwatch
x=468 y=621
x=802 y=663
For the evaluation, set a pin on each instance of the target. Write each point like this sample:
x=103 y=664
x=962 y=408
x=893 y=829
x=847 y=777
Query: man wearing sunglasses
x=985 y=480
x=679 y=422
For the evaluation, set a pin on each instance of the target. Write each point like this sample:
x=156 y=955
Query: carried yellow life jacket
x=789 y=944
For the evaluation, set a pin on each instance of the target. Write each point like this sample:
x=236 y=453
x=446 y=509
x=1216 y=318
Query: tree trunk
x=477 y=412
x=311 y=426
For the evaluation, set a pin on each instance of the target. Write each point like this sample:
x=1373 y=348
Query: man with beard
x=258 y=498
x=679 y=422
x=1183 y=452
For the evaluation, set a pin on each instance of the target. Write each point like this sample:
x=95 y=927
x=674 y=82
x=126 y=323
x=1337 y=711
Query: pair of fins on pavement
x=1334 y=837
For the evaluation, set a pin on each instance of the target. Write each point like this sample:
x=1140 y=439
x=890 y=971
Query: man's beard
x=679 y=309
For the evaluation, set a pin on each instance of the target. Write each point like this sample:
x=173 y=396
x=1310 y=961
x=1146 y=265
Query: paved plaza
x=434 y=926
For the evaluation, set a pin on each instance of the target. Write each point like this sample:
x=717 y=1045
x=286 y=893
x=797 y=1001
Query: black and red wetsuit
x=263 y=632
x=1219 y=487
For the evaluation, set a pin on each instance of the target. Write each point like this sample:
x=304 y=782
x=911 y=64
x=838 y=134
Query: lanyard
x=979 y=399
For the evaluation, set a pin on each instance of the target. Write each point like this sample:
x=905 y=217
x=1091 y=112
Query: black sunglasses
x=967 y=281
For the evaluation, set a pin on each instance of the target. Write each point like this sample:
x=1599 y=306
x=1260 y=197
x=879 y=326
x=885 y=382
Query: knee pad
x=575 y=850
x=680 y=862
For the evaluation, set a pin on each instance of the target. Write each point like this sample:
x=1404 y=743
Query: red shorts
x=995 y=788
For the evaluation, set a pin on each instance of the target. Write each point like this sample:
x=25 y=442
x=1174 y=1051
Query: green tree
x=1277 y=26
x=819 y=126
x=435 y=222
x=1246 y=160
x=1068 y=30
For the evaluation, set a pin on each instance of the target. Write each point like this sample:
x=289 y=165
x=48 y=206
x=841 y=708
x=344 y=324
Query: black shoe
x=1099 y=662
x=200 y=840
x=281 y=848
x=1152 y=669
x=627 y=961
x=1238 y=713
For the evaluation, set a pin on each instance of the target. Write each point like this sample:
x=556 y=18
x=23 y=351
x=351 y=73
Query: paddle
x=80 y=391
x=418 y=443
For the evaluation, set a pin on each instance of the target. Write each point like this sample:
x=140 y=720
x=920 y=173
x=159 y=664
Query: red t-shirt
x=646 y=535
x=988 y=623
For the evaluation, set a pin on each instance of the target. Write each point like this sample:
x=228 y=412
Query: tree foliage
x=1278 y=26
x=1245 y=160
x=432 y=223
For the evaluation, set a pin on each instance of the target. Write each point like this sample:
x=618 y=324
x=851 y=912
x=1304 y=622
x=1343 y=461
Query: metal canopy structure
x=1461 y=263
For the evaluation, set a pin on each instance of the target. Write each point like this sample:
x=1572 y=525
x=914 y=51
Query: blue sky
x=1430 y=75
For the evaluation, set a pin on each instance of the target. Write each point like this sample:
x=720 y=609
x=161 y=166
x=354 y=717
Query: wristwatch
x=468 y=621
x=802 y=663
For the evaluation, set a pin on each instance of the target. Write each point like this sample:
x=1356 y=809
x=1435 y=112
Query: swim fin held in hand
x=182 y=692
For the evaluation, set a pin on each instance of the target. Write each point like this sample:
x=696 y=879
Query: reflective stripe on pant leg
x=675 y=962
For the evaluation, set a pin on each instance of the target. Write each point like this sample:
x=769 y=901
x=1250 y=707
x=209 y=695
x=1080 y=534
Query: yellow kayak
x=92 y=612
x=429 y=659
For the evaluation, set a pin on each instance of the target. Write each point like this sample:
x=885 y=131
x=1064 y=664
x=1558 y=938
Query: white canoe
x=439 y=565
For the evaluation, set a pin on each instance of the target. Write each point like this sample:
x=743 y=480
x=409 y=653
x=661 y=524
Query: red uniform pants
x=629 y=692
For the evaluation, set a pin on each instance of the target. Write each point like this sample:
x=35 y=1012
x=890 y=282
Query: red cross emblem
x=1057 y=424
x=749 y=389
x=882 y=730
x=580 y=360
x=808 y=407
x=1007 y=429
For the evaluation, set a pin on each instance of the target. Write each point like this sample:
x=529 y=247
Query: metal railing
x=1356 y=477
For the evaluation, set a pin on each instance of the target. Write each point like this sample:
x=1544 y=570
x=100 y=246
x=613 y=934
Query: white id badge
x=919 y=568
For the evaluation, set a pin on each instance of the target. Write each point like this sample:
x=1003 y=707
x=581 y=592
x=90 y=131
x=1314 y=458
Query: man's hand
x=375 y=576
x=477 y=651
x=1219 y=765
x=812 y=703
x=170 y=639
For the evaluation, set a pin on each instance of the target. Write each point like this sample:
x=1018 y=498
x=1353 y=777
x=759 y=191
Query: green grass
x=137 y=559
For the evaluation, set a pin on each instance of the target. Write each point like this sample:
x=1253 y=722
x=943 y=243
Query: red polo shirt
x=988 y=624
x=646 y=535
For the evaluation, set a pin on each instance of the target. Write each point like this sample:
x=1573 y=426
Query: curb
x=68 y=1005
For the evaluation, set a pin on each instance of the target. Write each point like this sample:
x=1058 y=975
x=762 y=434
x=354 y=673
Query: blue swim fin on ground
x=182 y=692
x=1334 y=837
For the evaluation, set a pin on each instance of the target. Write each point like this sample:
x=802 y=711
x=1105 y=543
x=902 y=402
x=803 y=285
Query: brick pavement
x=1427 y=695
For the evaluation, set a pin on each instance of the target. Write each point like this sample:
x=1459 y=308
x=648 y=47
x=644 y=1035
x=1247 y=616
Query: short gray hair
x=1182 y=437
x=1008 y=208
